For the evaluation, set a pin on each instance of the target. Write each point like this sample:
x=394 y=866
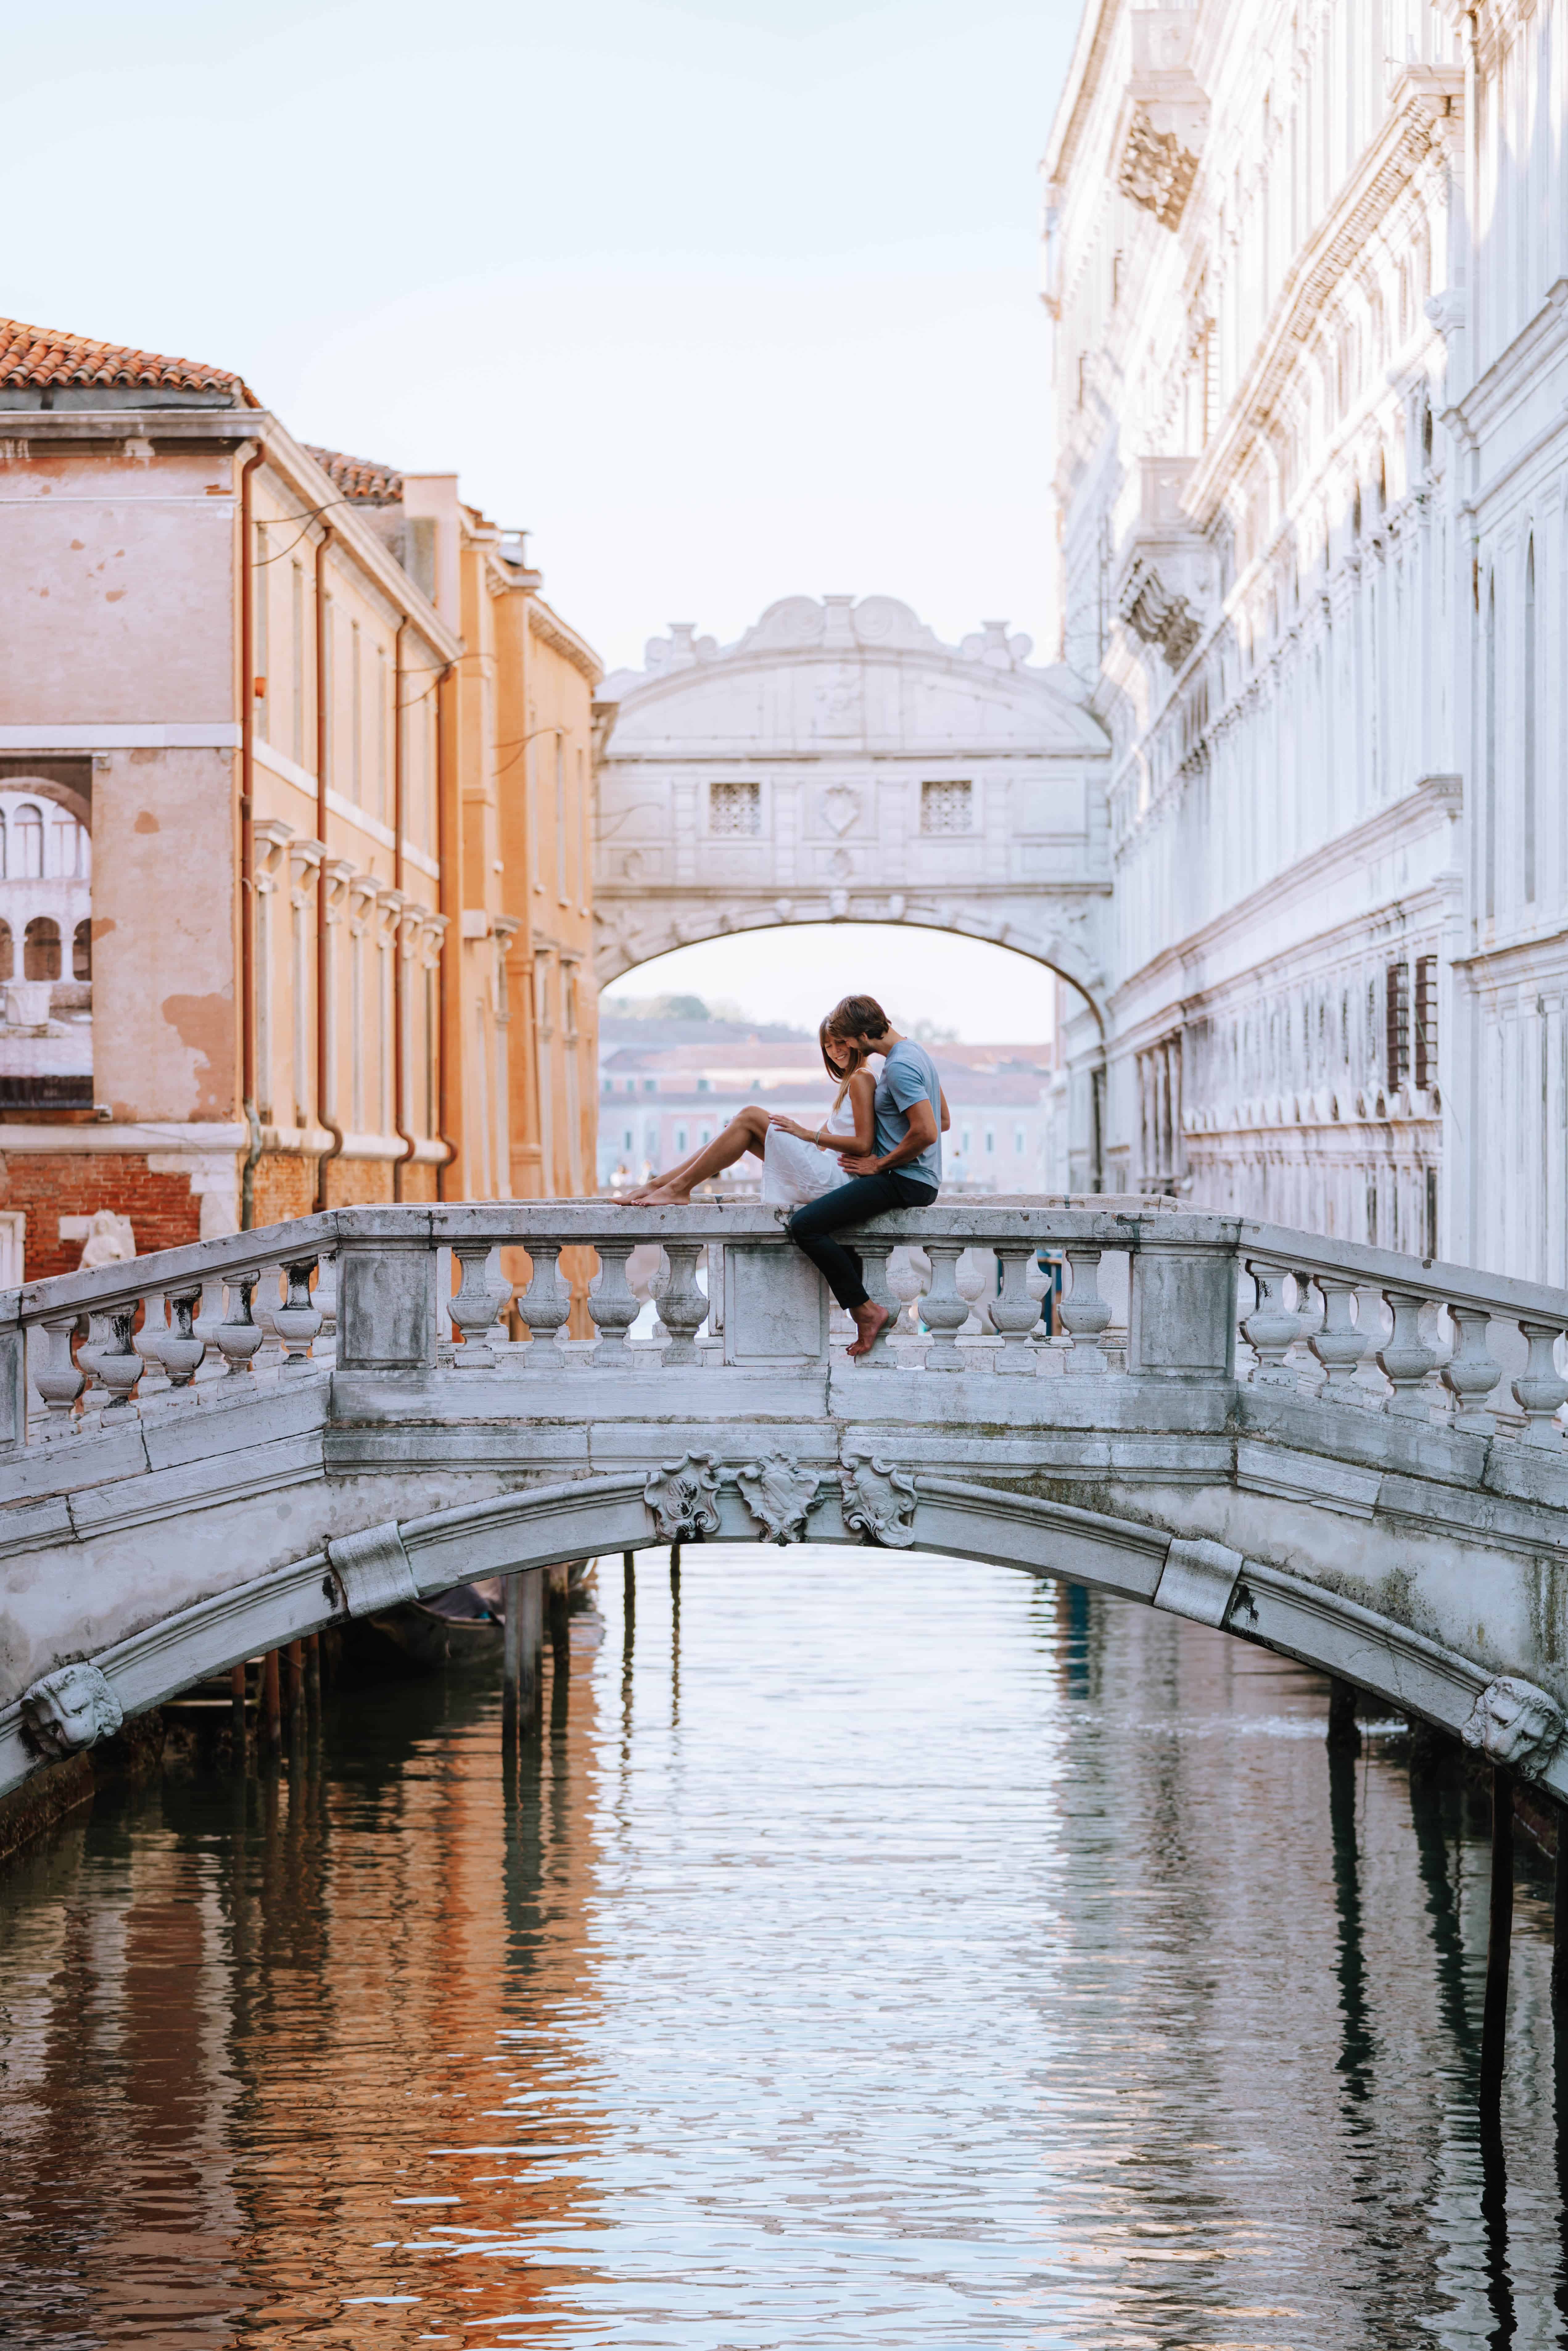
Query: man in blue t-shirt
x=903 y=1169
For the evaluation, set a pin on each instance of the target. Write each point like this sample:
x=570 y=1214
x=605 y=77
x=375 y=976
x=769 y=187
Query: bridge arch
x=379 y=1566
x=840 y=762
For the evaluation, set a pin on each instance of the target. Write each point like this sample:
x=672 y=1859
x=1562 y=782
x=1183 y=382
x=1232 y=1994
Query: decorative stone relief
x=1198 y=1581
x=778 y=1493
x=841 y=807
x=684 y=1498
x=373 y=1569
x=879 y=1500
x=1515 y=1723
x=1156 y=170
x=70 y=1708
x=1157 y=616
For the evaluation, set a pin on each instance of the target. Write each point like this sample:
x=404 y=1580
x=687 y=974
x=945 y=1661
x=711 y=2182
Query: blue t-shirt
x=908 y=1076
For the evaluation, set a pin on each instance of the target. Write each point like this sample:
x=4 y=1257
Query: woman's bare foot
x=869 y=1320
x=662 y=1195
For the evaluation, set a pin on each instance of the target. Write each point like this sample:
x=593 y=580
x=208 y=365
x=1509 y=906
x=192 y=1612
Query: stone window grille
x=736 y=809
x=1426 y=1021
x=1396 y=1010
x=947 y=808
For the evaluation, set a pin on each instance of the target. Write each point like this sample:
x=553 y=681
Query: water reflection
x=877 y=1952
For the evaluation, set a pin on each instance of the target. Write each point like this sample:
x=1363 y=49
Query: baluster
x=297 y=1321
x=58 y=1381
x=1084 y=1316
x=1272 y=1328
x=149 y=1342
x=1405 y=1359
x=239 y=1334
x=181 y=1349
x=1016 y=1310
x=682 y=1306
x=326 y=1297
x=873 y=1258
x=1341 y=1344
x=611 y=1303
x=906 y=1282
x=977 y=1278
x=476 y=1307
x=544 y=1306
x=266 y=1309
x=116 y=1362
x=1470 y=1373
x=944 y=1312
x=1541 y=1388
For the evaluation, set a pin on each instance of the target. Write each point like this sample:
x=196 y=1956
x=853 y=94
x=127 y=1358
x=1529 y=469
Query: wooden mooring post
x=629 y=1584
x=237 y=1714
x=676 y=1571
x=1560 y=1924
x=271 y=1707
x=523 y=1627
x=1499 y=1940
x=1343 y=1731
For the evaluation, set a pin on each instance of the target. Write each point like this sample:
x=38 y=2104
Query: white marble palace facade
x=1308 y=266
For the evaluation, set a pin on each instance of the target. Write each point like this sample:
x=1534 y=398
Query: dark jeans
x=851 y=1203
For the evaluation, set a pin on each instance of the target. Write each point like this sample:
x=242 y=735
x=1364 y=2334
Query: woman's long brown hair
x=835 y=1069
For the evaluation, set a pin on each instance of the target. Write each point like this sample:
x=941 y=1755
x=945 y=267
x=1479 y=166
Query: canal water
x=875 y=1950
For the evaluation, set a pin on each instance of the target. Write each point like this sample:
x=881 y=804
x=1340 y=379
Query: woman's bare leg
x=748 y=1130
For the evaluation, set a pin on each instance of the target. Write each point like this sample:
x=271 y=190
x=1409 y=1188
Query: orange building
x=304 y=734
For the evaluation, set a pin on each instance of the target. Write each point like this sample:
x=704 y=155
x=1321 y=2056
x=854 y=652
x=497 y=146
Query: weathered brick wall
x=164 y=1212
x=358 y=1183
x=284 y=1187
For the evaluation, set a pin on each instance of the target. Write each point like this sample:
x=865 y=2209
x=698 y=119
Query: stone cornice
x=1425 y=97
x=552 y=630
x=1435 y=799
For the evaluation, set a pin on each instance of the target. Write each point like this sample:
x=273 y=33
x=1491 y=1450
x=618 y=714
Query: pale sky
x=723 y=301
x=987 y=995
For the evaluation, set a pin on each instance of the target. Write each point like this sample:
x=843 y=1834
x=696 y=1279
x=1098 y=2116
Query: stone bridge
x=1351 y=1457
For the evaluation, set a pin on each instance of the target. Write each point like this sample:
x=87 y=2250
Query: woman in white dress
x=799 y=1163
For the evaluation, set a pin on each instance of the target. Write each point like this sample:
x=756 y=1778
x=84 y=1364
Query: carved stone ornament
x=1156 y=615
x=879 y=1500
x=373 y=1569
x=841 y=806
x=684 y=1498
x=69 y=1709
x=1197 y=1579
x=1515 y=1723
x=1157 y=171
x=778 y=1493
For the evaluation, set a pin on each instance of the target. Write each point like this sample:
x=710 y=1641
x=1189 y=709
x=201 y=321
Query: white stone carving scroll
x=684 y=1498
x=1198 y=1580
x=879 y=1500
x=1513 y=1722
x=70 y=1708
x=778 y=1493
x=373 y=1569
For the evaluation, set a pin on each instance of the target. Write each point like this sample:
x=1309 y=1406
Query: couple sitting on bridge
x=889 y=1150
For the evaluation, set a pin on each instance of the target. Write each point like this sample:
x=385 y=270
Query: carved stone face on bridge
x=69 y=1709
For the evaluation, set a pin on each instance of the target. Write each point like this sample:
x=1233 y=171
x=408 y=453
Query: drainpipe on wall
x=248 y=845
x=449 y=991
x=323 y=936
x=400 y=983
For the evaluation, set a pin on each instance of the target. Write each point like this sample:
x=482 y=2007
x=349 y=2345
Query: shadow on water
x=1356 y=2041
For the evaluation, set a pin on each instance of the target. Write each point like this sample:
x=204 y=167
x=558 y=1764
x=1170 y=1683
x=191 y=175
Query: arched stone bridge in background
x=1352 y=1458
x=838 y=762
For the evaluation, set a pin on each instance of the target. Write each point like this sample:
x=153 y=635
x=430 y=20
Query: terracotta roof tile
x=361 y=480
x=42 y=356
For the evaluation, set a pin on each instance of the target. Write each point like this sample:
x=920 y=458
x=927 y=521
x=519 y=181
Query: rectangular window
x=1426 y=1021
x=1396 y=1023
x=990 y=1139
x=1017 y=1140
x=263 y=631
x=296 y=665
x=626 y=1138
x=702 y=1086
x=328 y=684
x=356 y=723
x=381 y=731
x=650 y=1086
x=735 y=809
x=680 y=1138
x=947 y=808
x=559 y=820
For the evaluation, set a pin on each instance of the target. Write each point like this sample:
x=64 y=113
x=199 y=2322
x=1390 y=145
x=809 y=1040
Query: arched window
x=26 y=844
x=41 y=948
x=8 y=953
x=81 y=951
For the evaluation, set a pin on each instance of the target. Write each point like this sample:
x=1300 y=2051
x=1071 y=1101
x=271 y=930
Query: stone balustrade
x=1077 y=1292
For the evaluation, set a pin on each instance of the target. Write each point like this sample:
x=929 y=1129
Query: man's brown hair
x=858 y=1016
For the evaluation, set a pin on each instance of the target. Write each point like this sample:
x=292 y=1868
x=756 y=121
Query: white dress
x=794 y=1172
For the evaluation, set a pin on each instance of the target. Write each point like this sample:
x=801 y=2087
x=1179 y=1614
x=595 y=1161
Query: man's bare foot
x=868 y=1320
